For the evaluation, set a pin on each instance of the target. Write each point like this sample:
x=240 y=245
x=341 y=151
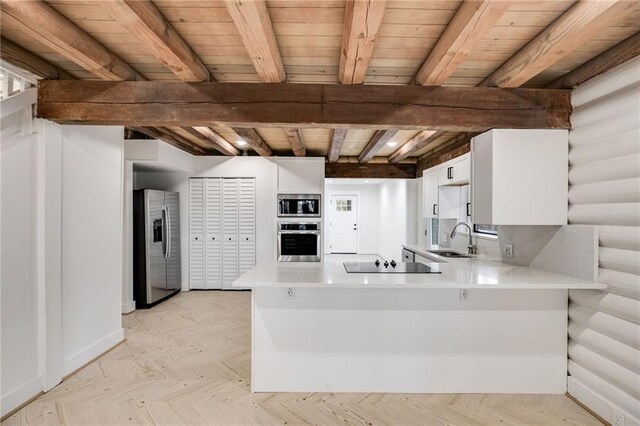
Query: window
x=485 y=229
x=343 y=205
x=435 y=227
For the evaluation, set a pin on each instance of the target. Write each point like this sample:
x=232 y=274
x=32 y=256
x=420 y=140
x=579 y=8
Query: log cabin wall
x=604 y=190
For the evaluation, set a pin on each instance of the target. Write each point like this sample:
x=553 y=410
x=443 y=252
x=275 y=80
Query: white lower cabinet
x=222 y=231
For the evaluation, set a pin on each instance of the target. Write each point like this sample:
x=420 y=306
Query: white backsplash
x=527 y=241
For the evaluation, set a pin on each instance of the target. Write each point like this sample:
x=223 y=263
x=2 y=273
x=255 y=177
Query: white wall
x=20 y=372
x=604 y=190
x=368 y=215
x=61 y=253
x=263 y=169
x=393 y=218
x=92 y=241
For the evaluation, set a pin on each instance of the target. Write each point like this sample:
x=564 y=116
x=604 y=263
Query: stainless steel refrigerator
x=156 y=246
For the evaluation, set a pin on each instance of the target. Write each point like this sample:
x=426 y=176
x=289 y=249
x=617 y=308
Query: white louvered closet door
x=247 y=228
x=196 y=234
x=213 y=226
x=230 y=232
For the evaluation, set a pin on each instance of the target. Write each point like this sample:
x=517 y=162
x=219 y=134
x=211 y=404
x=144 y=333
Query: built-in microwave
x=299 y=205
x=299 y=242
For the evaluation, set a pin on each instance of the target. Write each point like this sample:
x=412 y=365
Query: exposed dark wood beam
x=362 y=19
x=375 y=160
x=146 y=22
x=335 y=144
x=583 y=21
x=254 y=24
x=45 y=24
x=294 y=136
x=419 y=141
x=451 y=149
x=164 y=103
x=212 y=139
x=254 y=140
x=370 y=170
x=379 y=139
x=171 y=138
x=619 y=54
x=471 y=23
x=21 y=58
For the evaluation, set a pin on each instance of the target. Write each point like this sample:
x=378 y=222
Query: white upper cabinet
x=430 y=194
x=300 y=175
x=455 y=172
x=520 y=177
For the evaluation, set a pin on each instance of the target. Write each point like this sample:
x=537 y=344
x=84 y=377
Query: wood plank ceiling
x=394 y=42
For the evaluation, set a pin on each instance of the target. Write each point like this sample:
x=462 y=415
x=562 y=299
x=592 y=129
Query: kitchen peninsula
x=474 y=327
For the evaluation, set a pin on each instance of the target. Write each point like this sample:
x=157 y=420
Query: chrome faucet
x=471 y=247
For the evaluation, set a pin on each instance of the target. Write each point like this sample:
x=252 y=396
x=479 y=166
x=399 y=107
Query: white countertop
x=461 y=273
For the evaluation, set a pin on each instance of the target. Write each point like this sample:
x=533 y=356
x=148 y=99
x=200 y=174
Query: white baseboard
x=128 y=307
x=597 y=403
x=90 y=352
x=16 y=397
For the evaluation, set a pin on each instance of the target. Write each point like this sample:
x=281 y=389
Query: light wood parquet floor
x=187 y=361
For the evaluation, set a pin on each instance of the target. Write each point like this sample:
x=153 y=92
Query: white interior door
x=344 y=224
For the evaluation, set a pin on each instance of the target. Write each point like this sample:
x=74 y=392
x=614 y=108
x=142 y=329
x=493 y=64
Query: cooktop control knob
x=377 y=263
x=386 y=264
x=393 y=263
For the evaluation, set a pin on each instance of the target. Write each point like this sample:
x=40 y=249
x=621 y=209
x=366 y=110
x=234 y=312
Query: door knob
x=196 y=238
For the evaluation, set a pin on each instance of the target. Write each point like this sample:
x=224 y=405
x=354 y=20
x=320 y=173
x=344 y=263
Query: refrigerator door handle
x=165 y=231
x=169 y=231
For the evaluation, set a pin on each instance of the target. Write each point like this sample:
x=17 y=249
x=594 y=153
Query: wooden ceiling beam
x=212 y=139
x=21 y=58
x=335 y=144
x=370 y=170
x=254 y=24
x=471 y=23
x=619 y=54
x=583 y=21
x=167 y=136
x=361 y=25
x=379 y=139
x=254 y=140
x=45 y=24
x=146 y=22
x=419 y=141
x=294 y=136
x=164 y=103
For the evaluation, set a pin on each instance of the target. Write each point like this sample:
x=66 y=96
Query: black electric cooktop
x=388 y=268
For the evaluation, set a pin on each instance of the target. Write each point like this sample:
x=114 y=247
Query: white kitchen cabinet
x=221 y=231
x=449 y=202
x=300 y=175
x=430 y=194
x=455 y=172
x=520 y=177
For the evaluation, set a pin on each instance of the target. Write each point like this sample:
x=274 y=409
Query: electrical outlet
x=464 y=294
x=508 y=250
x=617 y=418
x=444 y=237
x=290 y=294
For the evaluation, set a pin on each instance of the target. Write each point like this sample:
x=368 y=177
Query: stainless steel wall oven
x=299 y=242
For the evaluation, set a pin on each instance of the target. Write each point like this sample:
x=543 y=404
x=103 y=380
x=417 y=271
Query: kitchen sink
x=449 y=253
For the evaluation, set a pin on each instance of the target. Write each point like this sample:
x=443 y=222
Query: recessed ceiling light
x=329 y=181
x=392 y=143
x=366 y=181
x=241 y=142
